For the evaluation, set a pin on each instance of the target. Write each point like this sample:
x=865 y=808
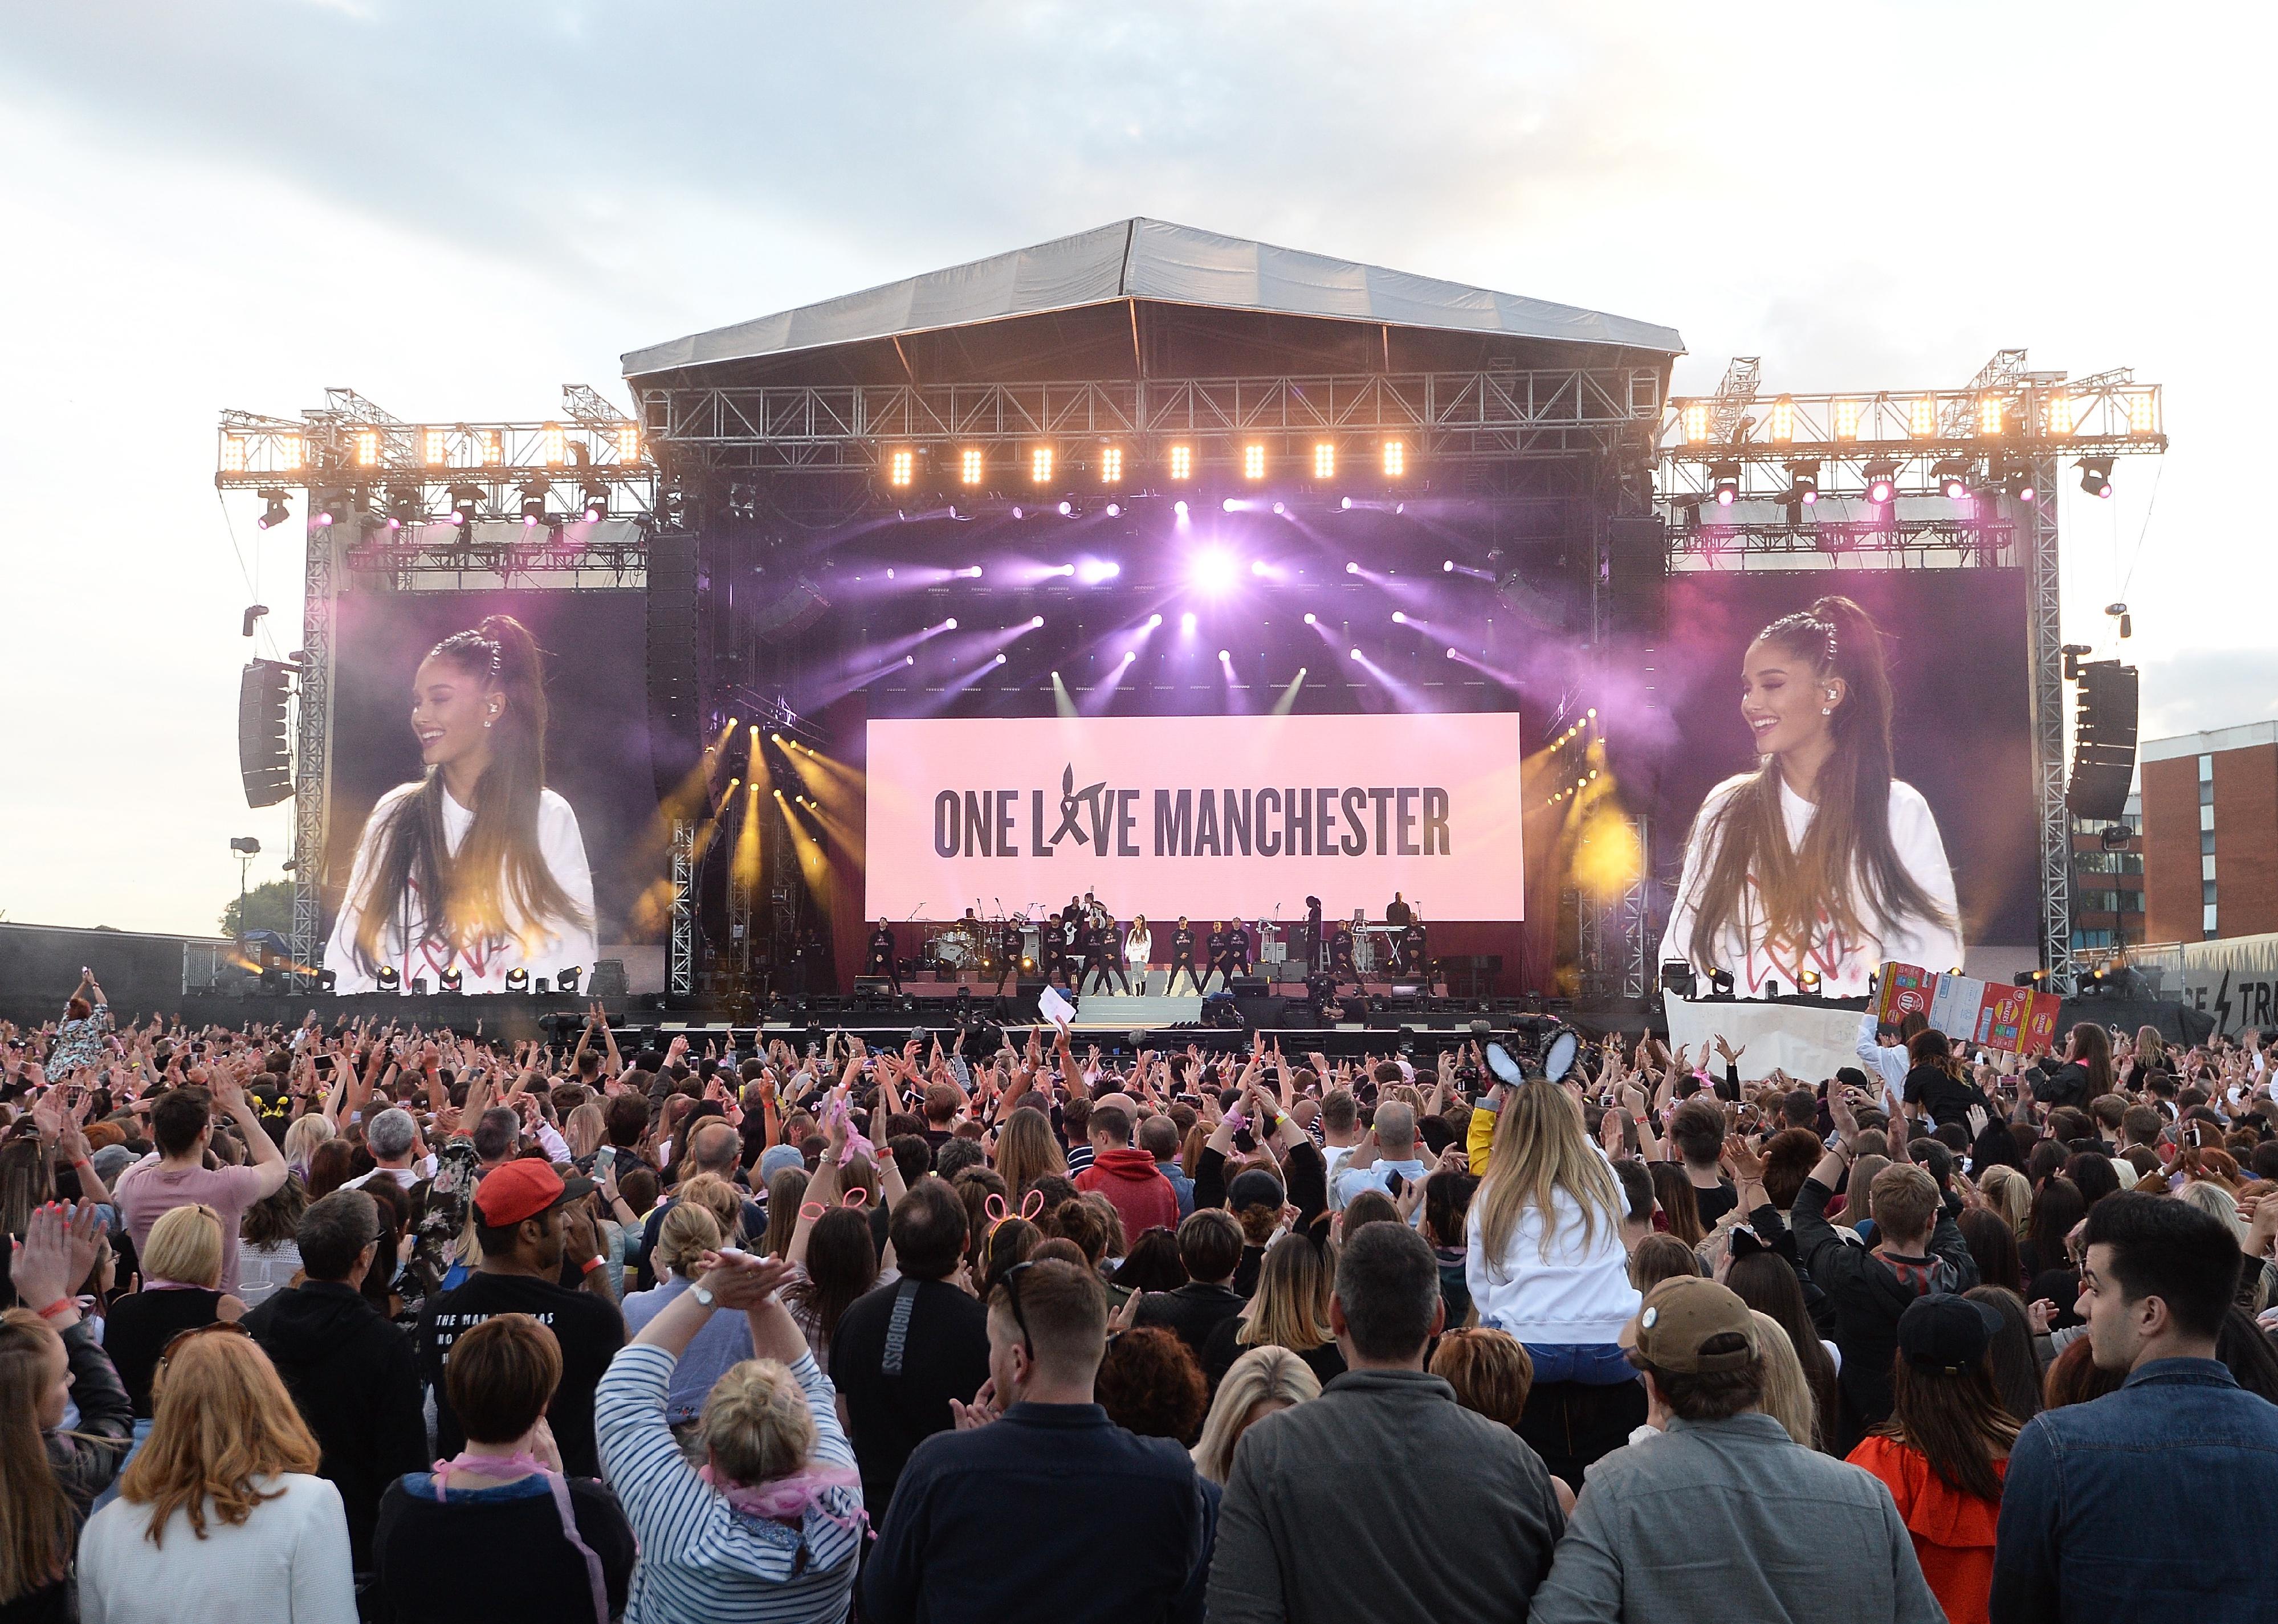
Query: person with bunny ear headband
x=476 y=866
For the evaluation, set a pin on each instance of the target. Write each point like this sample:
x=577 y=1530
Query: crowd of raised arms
x=355 y=1320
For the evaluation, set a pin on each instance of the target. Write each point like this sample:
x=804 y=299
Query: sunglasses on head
x=180 y=1336
x=1011 y=1281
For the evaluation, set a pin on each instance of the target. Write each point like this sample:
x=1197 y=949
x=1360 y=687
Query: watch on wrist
x=702 y=1294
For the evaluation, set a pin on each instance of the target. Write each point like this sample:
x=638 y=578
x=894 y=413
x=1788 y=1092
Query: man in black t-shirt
x=1215 y=962
x=523 y=1231
x=1011 y=943
x=1342 y=967
x=1101 y=960
x=1183 y=957
x=1237 y=948
x=898 y=1388
x=881 y=955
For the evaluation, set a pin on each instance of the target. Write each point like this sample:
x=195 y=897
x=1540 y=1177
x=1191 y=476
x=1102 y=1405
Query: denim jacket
x=2158 y=1501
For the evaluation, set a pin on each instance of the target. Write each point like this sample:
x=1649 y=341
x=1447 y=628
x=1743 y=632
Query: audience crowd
x=358 y=1321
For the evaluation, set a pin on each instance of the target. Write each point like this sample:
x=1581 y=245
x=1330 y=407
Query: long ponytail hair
x=500 y=871
x=1847 y=863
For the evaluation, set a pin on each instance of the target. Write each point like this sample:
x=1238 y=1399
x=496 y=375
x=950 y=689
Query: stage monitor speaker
x=609 y=980
x=675 y=742
x=265 y=754
x=2104 y=741
x=1249 y=986
x=1637 y=576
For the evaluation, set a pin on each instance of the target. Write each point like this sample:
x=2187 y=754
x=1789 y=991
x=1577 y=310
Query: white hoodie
x=1579 y=1294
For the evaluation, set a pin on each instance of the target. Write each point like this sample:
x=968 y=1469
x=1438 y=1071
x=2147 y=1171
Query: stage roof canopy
x=1155 y=264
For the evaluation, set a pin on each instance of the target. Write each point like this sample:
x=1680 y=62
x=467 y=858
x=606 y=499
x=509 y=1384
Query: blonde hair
x=1263 y=1375
x=2011 y=1193
x=221 y=1420
x=2215 y=1201
x=302 y=1135
x=1026 y=1151
x=756 y=1424
x=688 y=1231
x=1540 y=1149
x=1787 y=1396
x=585 y=1130
x=185 y=1245
x=715 y=1196
x=1290 y=1307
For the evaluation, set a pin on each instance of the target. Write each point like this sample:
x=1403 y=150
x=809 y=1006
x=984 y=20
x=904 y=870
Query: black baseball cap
x=1945 y=1332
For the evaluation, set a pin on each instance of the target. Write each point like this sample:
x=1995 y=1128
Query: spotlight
x=969 y=465
x=1179 y=507
x=1451 y=654
x=1806 y=982
x=1154 y=620
x=1040 y=465
x=1725 y=481
x=1953 y=476
x=1182 y=466
x=1280 y=509
x=1187 y=621
x=327 y=980
x=1017 y=512
x=949 y=624
x=1352 y=569
x=2017 y=481
x=1035 y=621
x=597 y=503
x=1448 y=567
x=1111 y=465
x=1308 y=620
x=1803 y=481
x=1356 y=653
x=327 y=514
x=388 y=980
x=275 y=514
x=1253 y=461
x=1882 y=480
x=1395 y=459
x=566 y=981
x=451 y=980
x=464 y=501
x=1115 y=510
x=1223 y=655
x=2096 y=475
x=1400 y=617
x=1346 y=504
x=1228 y=505
x=1068 y=509
x=533 y=504
x=902 y=468
x=1213 y=571
x=1000 y=659
x=971 y=572
x=517 y=980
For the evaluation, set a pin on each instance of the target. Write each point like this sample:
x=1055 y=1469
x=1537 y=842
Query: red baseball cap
x=522 y=1189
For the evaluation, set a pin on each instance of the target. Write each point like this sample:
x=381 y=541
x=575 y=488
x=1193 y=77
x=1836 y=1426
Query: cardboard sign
x=1992 y=1015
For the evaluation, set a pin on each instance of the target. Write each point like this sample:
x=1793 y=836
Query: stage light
x=1399 y=617
x=403 y=509
x=1253 y=461
x=597 y=502
x=1325 y=460
x=1213 y=571
x=909 y=660
x=517 y=980
x=533 y=503
x=1352 y=569
x=1129 y=655
x=1448 y=567
x=1000 y=659
x=1063 y=569
x=1182 y=465
x=971 y=572
x=1223 y=655
x=1154 y=620
x=1922 y=416
x=1882 y=475
x=325 y=516
x=2060 y=415
x=2143 y=414
x=1179 y=508
x=1308 y=620
x=232 y=454
x=1017 y=512
x=629 y=442
x=1040 y=465
x=1280 y=509
x=1395 y=459
x=2017 y=481
x=1187 y=621
x=1452 y=654
x=902 y=468
x=1846 y=420
x=1068 y=508
x=451 y=980
x=465 y=500
x=969 y=465
x=1806 y=982
x=387 y=979
x=1115 y=510
x=553 y=443
x=1111 y=465
x=275 y=512
x=1725 y=480
x=434 y=447
x=1356 y=653
x=2096 y=475
x=1803 y=481
x=367 y=447
x=1989 y=414
x=327 y=980
x=1229 y=505
x=1695 y=422
x=292 y=449
x=1953 y=476
x=949 y=624
x=1035 y=621
x=1782 y=420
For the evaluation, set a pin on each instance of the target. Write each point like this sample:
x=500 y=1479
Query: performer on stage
x=476 y=866
x=814 y=968
x=1397 y=913
x=1073 y=945
x=1096 y=913
x=1139 y=952
x=1011 y=942
x=1237 y=948
x=1316 y=956
x=1214 y=953
x=881 y=955
x=1341 y=956
x=1820 y=859
x=1415 y=955
x=1102 y=958
x=1182 y=958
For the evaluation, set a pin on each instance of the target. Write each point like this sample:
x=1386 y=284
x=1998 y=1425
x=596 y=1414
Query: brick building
x=2210 y=805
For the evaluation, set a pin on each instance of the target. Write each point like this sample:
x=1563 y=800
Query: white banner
x=1205 y=816
x=1810 y=1044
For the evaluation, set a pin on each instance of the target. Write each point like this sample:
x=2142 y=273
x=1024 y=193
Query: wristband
x=58 y=1305
x=82 y=1161
x=590 y=1264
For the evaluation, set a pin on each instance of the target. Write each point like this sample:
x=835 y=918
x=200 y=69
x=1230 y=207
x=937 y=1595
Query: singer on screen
x=1819 y=860
x=476 y=865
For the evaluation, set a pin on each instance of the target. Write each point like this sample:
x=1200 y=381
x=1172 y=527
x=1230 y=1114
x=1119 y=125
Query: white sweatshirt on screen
x=541 y=946
x=1845 y=965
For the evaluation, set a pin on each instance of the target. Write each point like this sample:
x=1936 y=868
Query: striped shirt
x=701 y=1559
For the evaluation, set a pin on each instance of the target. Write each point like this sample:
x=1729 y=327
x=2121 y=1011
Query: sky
x=455 y=208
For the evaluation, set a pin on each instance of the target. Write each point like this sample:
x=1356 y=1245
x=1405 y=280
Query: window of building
x=2206 y=868
x=2206 y=792
x=2207 y=892
x=2206 y=817
x=2207 y=843
x=2206 y=919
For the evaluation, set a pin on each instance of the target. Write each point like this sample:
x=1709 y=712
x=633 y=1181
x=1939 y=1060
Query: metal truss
x=608 y=554
x=680 y=964
x=312 y=760
x=2043 y=618
x=1442 y=416
x=1887 y=543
